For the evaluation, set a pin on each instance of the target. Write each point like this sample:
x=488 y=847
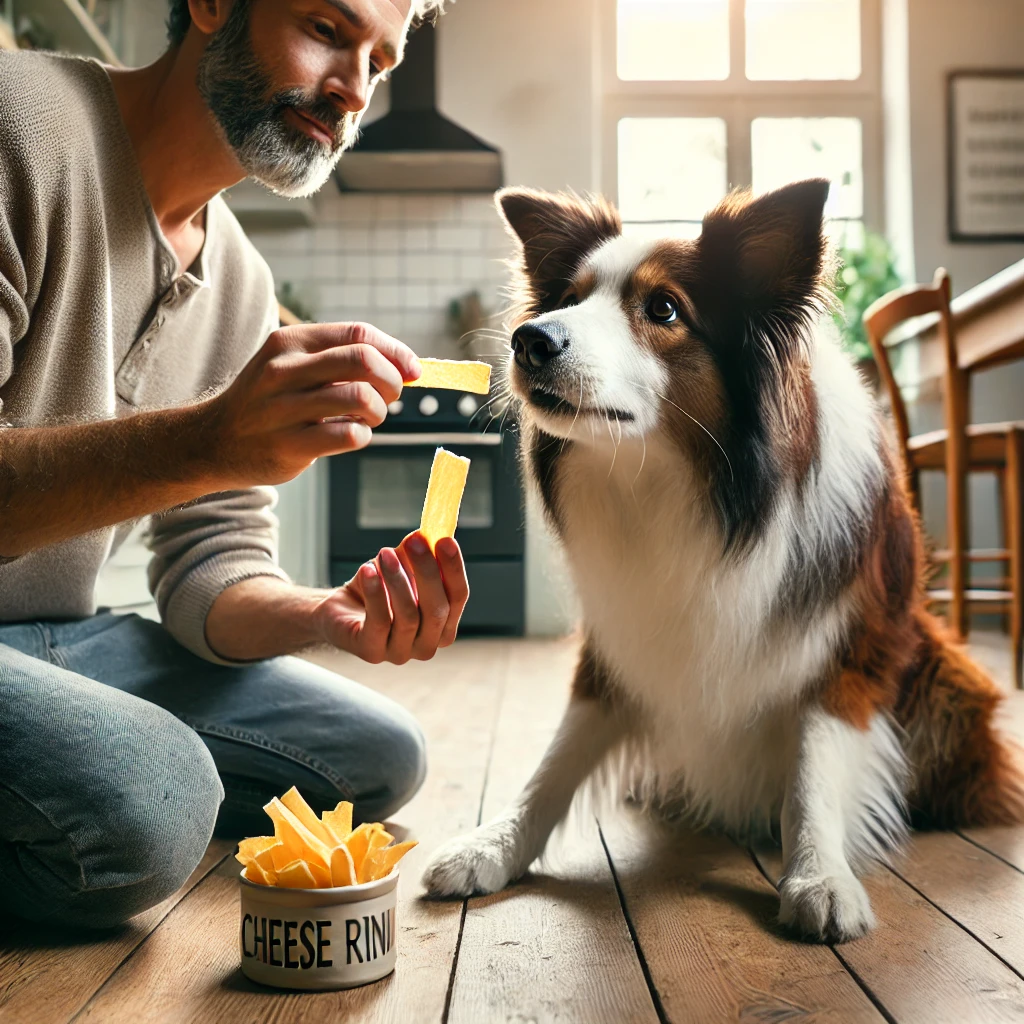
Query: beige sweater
x=98 y=321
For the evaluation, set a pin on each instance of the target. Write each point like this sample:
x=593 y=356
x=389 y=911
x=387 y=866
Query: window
x=702 y=96
x=673 y=171
x=797 y=40
x=783 y=149
x=658 y=39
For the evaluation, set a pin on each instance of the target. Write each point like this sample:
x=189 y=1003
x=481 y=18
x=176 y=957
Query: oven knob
x=467 y=406
x=396 y=407
x=429 y=405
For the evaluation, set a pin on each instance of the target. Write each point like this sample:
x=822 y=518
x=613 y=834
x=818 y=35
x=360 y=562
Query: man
x=142 y=373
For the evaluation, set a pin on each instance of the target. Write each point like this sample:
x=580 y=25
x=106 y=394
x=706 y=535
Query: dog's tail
x=965 y=772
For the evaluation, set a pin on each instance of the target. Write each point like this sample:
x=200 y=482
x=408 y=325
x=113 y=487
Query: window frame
x=738 y=100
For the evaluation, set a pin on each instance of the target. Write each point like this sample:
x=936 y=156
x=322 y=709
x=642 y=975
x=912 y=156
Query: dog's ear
x=554 y=231
x=771 y=249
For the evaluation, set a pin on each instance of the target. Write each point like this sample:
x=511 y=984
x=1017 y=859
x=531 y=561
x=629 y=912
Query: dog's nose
x=535 y=345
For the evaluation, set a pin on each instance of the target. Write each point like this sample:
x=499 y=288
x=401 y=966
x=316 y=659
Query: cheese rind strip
x=454 y=375
x=294 y=802
x=339 y=821
x=441 y=506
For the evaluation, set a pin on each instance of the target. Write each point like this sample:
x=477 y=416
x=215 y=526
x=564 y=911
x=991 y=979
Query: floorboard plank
x=921 y=966
x=1005 y=843
x=189 y=969
x=555 y=946
x=46 y=977
x=705 y=920
x=975 y=888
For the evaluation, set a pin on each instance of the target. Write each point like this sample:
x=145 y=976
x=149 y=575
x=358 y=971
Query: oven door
x=377 y=494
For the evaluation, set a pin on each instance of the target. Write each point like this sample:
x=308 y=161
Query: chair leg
x=1015 y=545
x=956 y=527
x=1005 y=517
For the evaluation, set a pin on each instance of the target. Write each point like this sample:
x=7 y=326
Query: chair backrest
x=893 y=309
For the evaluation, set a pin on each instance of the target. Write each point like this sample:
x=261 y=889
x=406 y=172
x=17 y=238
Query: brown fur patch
x=903 y=662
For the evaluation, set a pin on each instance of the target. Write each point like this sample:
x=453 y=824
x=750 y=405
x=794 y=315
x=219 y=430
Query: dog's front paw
x=484 y=861
x=829 y=909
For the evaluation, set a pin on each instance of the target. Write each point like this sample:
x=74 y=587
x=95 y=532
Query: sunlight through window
x=672 y=170
x=673 y=40
x=795 y=40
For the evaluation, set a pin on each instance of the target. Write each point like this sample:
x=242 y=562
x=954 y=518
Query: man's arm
x=61 y=482
x=403 y=605
x=310 y=391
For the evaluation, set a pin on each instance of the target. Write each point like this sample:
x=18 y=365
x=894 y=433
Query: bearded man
x=143 y=373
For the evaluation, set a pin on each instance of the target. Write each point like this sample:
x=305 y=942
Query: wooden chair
x=960 y=448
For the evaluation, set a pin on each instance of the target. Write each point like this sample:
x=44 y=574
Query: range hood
x=414 y=148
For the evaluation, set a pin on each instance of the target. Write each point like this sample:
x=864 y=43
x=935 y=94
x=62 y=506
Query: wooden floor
x=625 y=922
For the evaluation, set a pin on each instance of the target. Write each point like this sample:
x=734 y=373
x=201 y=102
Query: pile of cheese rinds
x=454 y=375
x=307 y=852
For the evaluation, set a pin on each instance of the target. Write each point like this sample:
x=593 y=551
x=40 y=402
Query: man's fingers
x=373 y=637
x=303 y=372
x=334 y=438
x=456 y=585
x=405 y=615
x=355 y=400
x=433 y=601
x=312 y=338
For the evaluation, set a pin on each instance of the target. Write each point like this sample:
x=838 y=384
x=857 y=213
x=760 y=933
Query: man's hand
x=403 y=605
x=311 y=390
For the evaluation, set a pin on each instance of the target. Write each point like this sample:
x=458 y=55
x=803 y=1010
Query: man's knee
x=404 y=766
x=151 y=825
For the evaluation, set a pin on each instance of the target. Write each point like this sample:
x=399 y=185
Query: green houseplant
x=867 y=273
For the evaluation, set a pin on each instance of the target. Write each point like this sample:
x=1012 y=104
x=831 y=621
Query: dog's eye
x=661 y=309
x=570 y=300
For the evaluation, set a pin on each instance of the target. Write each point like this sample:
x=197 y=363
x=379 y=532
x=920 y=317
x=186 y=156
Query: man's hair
x=179 y=19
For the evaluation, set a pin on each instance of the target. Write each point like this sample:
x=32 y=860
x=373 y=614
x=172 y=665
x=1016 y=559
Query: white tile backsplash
x=396 y=261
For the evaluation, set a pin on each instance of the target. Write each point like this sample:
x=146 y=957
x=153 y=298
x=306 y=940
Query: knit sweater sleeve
x=201 y=549
x=13 y=310
x=14 y=283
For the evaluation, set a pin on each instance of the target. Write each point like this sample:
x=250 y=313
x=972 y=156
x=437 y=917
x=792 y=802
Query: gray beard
x=235 y=87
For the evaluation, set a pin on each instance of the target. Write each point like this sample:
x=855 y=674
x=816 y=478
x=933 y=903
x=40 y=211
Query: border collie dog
x=756 y=648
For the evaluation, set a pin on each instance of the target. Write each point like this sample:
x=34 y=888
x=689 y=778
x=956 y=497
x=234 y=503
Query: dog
x=756 y=649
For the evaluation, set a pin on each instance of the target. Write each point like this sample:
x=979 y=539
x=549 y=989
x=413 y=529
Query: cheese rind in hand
x=441 y=506
x=454 y=375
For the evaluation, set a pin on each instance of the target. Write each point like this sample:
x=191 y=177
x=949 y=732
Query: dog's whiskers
x=694 y=419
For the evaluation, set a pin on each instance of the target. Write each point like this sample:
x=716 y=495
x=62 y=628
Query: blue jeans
x=120 y=750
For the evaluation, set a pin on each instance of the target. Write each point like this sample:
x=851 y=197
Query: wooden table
x=989 y=322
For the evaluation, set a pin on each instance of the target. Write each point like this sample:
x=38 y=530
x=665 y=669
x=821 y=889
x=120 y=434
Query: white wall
x=947 y=35
x=943 y=36
x=144 y=32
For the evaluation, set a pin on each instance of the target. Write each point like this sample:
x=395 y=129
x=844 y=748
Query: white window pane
x=655 y=229
x=673 y=40
x=796 y=40
x=670 y=168
x=785 y=149
x=846 y=234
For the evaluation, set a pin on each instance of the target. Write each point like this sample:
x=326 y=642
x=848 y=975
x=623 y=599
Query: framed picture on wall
x=986 y=156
